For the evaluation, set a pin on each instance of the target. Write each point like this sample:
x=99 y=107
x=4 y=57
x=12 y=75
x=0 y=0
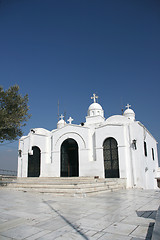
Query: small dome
x=129 y=113
x=117 y=119
x=61 y=123
x=95 y=106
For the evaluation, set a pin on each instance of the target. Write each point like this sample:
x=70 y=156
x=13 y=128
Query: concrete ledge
x=156 y=230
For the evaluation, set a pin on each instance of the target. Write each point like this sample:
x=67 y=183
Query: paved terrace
x=125 y=214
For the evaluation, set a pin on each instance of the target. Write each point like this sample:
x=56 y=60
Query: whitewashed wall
x=139 y=170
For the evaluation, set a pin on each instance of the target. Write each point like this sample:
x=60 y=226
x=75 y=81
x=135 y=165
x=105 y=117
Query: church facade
x=116 y=147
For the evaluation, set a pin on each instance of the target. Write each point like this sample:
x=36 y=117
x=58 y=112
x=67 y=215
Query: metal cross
x=94 y=97
x=70 y=120
x=128 y=106
x=61 y=117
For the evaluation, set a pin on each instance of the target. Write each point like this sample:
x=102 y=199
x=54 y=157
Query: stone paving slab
x=125 y=214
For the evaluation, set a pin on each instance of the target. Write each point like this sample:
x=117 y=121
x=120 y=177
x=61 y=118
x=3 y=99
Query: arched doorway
x=69 y=158
x=110 y=154
x=34 y=162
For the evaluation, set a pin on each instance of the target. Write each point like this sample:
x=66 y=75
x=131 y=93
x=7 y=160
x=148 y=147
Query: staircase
x=73 y=186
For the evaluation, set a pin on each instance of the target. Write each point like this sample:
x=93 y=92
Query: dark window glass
x=20 y=153
x=152 y=153
x=34 y=162
x=145 y=149
x=111 y=162
x=69 y=158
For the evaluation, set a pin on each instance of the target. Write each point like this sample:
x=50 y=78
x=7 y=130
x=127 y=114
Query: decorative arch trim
x=102 y=143
x=77 y=137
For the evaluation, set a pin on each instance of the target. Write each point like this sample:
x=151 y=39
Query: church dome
x=129 y=113
x=95 y=106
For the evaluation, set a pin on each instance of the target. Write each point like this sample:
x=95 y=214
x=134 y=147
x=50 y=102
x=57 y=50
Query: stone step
x=69 y=179
x=61 y=186
x=69 y=192
x=66 y=180
x=28 y=179
x=63 y=183
x=72 y=183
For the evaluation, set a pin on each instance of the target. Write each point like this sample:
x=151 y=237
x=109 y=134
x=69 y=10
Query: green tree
x=13 y=113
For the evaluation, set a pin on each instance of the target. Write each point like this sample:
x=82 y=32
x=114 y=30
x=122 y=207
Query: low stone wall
x=1 y=180
x=4 y=180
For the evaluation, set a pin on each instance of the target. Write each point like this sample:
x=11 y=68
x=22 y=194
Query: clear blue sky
x=69 y=49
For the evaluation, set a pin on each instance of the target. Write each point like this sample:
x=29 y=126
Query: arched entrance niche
x=69 y=158
x=110 y=154
x=34 y=162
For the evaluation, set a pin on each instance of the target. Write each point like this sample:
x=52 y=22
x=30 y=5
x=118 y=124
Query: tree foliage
x=13 y=113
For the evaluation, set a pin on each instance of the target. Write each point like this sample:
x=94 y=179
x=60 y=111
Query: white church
x=116 y=147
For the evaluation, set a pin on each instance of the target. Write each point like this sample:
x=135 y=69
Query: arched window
x=110 y=154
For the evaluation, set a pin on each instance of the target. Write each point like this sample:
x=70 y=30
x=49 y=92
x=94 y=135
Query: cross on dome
x=70 y=120
x=61 y=117
x=128 y=106
x=94 y=97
